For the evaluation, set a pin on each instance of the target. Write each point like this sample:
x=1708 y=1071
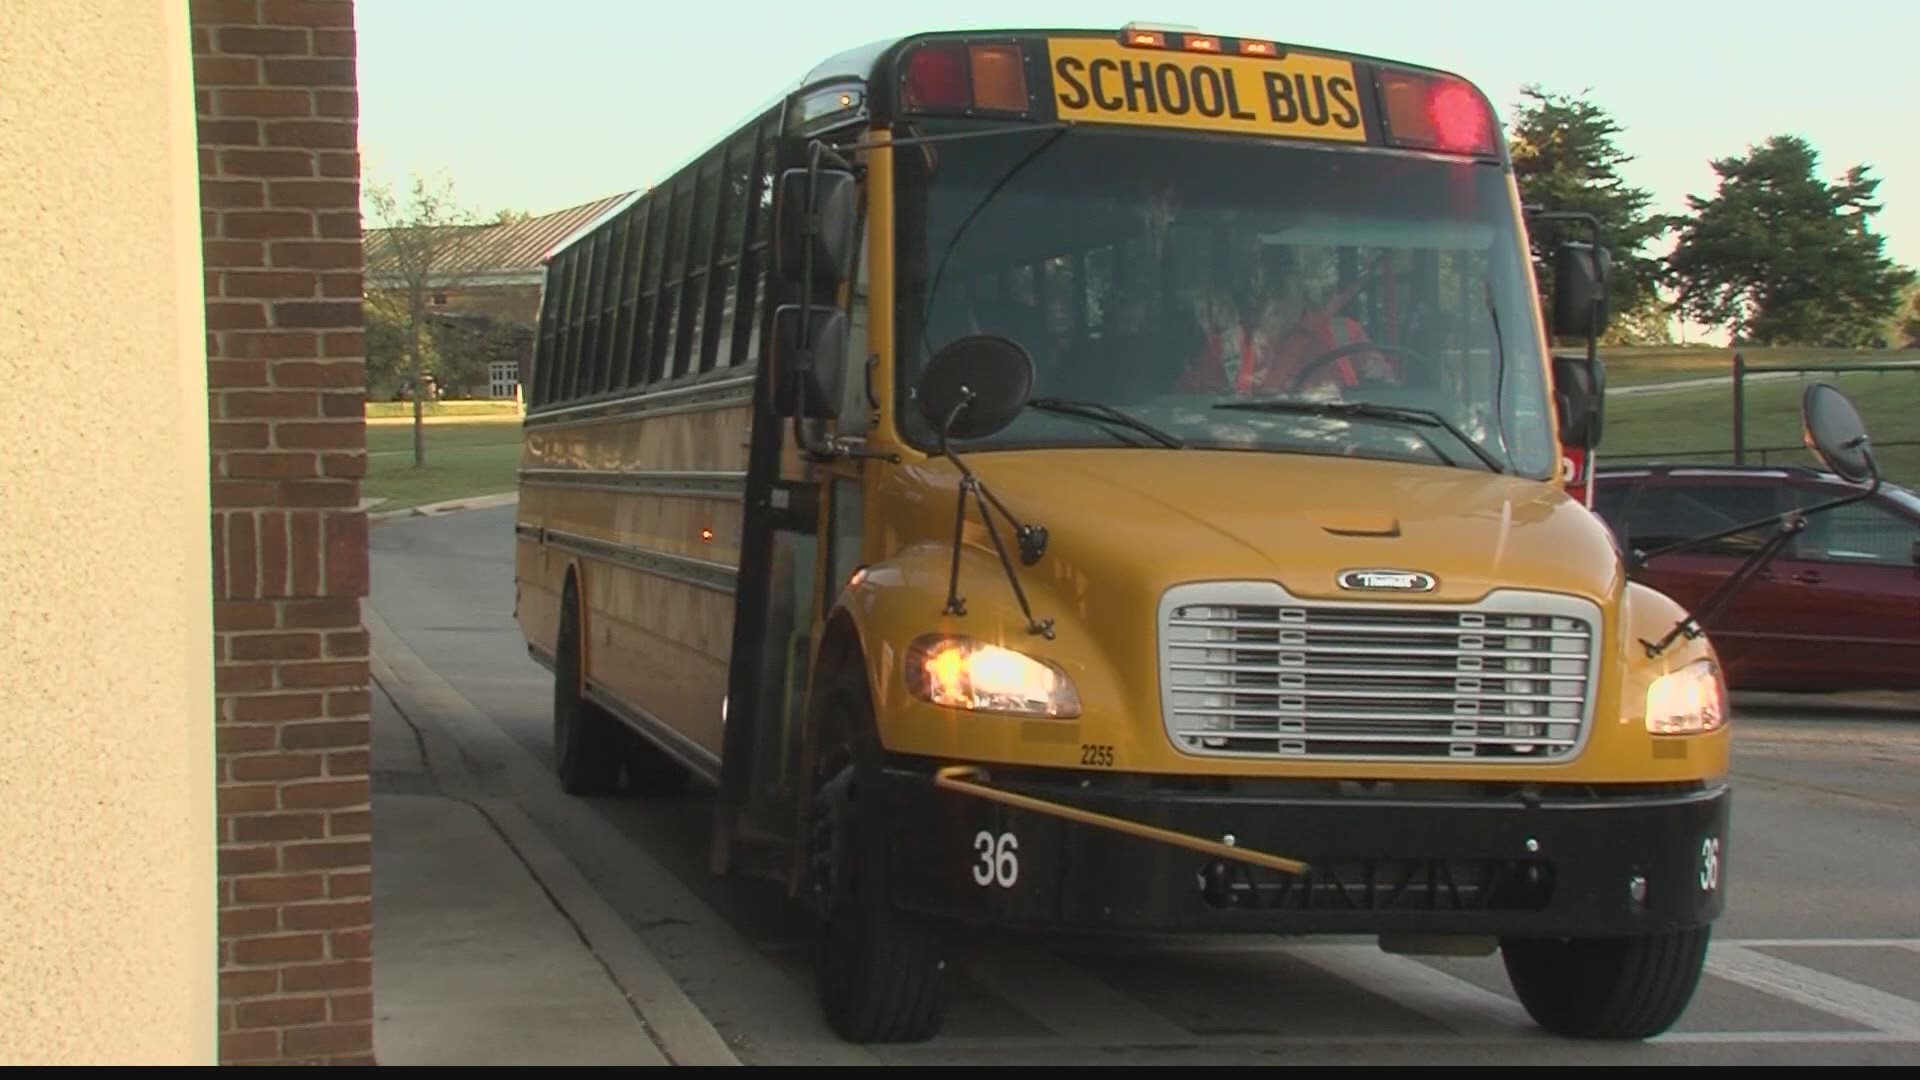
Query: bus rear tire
x=881 y=973
x=1607 y=988
x=587 y=742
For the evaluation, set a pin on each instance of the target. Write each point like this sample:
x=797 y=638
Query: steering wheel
x=1314 y=365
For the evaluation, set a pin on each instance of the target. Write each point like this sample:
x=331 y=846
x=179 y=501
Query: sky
x=540 y=106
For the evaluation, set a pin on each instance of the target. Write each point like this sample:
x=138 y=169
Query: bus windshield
x=1166 y=276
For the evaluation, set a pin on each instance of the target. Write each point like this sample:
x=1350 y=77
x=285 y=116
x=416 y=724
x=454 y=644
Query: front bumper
x=1422 y=858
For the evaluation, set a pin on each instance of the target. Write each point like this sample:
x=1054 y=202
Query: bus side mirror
x=975 y=386
x=1580 y=274
x=808 y=371
x=1580 y=397
x=1832 y=428
x=814 y=223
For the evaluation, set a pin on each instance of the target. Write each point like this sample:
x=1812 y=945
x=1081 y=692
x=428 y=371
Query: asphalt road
x=1817 y=960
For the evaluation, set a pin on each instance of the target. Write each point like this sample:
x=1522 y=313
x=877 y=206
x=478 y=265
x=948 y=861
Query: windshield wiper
x=1397 y=414
x=1093 y=410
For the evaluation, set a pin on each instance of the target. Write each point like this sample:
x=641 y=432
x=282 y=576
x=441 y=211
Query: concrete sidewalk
x=473 y=962
x=489 y=947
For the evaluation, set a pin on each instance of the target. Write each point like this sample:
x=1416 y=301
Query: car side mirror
x=1580 y=397
x=1580 y=273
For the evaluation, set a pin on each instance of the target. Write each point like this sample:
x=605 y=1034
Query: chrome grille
x=1248 y=670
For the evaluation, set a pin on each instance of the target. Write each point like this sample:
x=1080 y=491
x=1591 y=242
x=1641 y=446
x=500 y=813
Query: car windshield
x=1164 y=276
x=1905 y=498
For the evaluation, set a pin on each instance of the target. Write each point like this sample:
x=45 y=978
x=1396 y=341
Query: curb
x=454 y=735
x=451 y=506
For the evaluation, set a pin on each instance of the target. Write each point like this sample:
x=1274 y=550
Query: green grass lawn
x=1641 y=426
x=393 y=410
x=466 y=456
x=1638 y=365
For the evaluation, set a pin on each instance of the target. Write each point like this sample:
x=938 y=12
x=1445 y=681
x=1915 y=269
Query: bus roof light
x=1143 y=38
x=1258 y=48
x=1436 y=113
x=1203 y=44
x=999 y=78
x=937 y=78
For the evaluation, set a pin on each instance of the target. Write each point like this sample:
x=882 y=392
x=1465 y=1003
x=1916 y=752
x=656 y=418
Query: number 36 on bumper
x=998 y=859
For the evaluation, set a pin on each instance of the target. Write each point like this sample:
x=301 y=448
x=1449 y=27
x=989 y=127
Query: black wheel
x=1607 y=988
x=881 y=972
x=587 y=743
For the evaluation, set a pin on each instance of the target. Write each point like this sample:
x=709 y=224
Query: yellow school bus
x=1113 y=481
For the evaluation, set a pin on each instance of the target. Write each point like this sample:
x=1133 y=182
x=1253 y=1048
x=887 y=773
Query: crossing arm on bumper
x=972 y=780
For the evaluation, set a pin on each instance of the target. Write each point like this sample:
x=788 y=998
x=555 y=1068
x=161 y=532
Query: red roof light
x=1436 y=113
x=937 y=78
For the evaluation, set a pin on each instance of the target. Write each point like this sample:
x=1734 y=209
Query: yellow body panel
x=659 y=644
x=1128 y=524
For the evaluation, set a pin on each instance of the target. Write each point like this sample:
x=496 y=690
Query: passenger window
x=1660 y=515
x=1859 y=533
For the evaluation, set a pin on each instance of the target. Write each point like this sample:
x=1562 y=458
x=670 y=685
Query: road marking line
x=1825 y=943
x=945 y=1045
x=1784 y=1037
x=1830 y=994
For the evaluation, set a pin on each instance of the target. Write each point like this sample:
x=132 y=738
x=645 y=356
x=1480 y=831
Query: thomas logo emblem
x=1387 y=580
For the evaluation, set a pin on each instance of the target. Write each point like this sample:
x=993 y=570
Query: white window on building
x=503 y=376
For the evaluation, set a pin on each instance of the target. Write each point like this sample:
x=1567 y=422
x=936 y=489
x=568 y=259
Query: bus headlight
x=1691 y=701
x=962 y=673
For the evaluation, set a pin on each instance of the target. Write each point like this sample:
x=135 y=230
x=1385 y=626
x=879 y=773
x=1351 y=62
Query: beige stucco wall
x=107 y=901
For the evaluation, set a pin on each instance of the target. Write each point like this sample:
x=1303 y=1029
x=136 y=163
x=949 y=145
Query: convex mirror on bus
x=975 y=386
x=1580 y=273
x=817 y=211
x=1580 y=395
x=1831 y=427
x=809 y=373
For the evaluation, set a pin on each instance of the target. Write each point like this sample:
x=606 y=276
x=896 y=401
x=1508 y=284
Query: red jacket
x=1276 y=363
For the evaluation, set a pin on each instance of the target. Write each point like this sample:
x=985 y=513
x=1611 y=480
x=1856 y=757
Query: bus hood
x=1151 y=518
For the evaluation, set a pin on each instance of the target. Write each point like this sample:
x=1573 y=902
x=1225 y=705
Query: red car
x=1838 y=608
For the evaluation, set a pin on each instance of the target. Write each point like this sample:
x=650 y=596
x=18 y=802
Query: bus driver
x=1267 y=353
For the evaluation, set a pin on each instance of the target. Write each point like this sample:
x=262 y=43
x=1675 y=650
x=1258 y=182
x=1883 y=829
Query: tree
x=419 y=231
x=1782 y=258
x=389 y=344
x=1903 y=330
x=1565 y=157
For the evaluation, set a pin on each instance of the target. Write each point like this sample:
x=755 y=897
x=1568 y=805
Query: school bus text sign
x=1314 y=97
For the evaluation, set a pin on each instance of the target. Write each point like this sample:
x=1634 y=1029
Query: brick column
x=278 y=129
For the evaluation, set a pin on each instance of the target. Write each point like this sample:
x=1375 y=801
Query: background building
x=481 y=302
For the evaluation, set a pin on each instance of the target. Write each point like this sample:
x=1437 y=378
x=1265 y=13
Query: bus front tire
x=1607 y=988
x=881 y=972
x=586 y=741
